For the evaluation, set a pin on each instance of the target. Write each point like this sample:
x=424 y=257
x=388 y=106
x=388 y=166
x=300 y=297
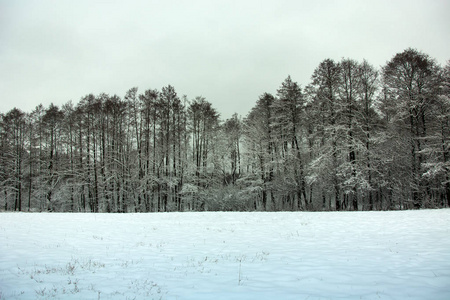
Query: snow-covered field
x=346 y=255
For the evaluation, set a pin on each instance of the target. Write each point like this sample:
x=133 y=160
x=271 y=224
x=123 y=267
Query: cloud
x=228 y=51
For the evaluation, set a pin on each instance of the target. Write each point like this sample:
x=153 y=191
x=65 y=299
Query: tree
x=260 y=144
x=233 y=132
x=85 y=110
x=115 y=169
x=437 y=167
x=52 y=121
x=350 y=85
x=368 y=86
x=410 y=80
x=204 y=122
x=326 y=82
x=288 y=113
x=149 y=119
x=347 y=141
x=68 y=124
x=13 y=146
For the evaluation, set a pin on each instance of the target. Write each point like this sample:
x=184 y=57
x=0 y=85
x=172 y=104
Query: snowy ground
x=354 y=255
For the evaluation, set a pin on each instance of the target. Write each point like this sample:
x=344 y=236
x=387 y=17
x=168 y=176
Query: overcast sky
x=229 y=52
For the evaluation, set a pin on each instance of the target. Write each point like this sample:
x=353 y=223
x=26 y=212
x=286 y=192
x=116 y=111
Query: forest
x=354 y=138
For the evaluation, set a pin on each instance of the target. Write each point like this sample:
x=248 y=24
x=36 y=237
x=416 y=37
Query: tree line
x=355 y=138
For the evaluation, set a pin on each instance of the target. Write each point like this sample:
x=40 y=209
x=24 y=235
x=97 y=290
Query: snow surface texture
x=346 y=255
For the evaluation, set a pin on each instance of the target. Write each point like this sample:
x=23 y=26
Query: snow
x=283 y=255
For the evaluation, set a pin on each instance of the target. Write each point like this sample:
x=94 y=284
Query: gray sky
x=229 y=52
